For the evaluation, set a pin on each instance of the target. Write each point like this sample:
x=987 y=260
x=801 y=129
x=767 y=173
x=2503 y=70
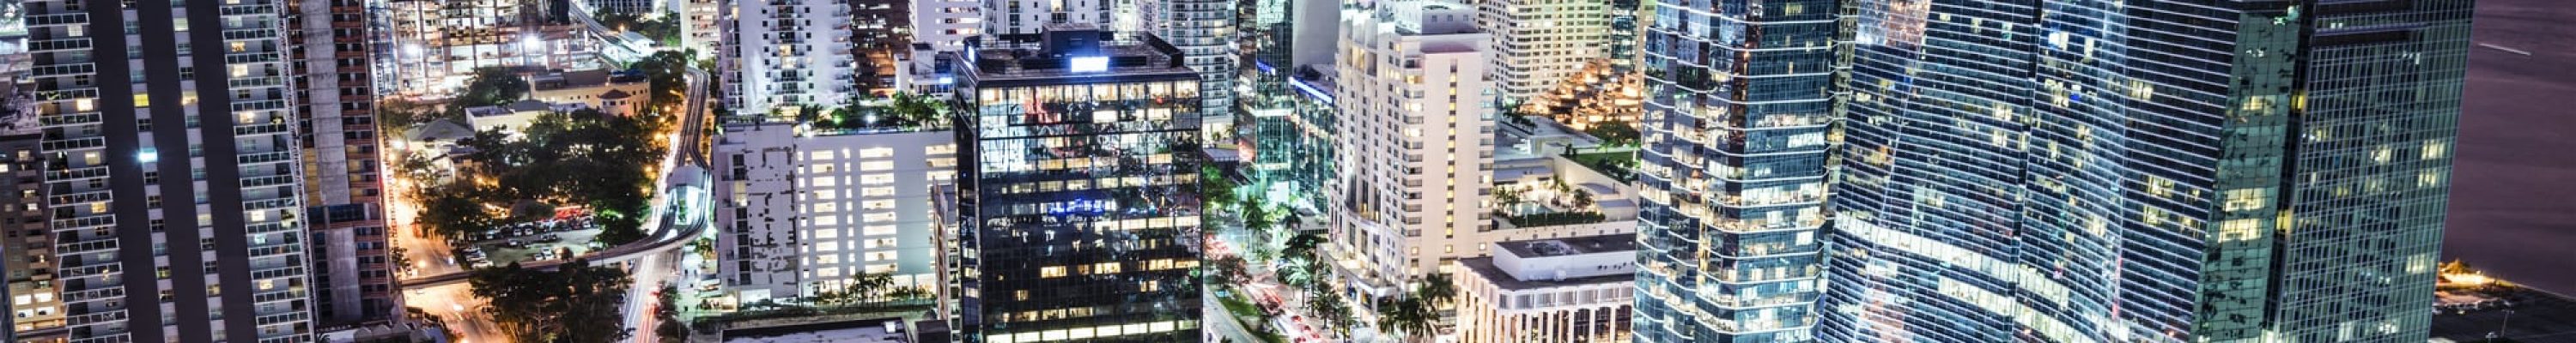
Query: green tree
x=493 y=86
x=863 y=287
x=577 y=303
x=451 y=212
x=1614 y=133
x=666 y=310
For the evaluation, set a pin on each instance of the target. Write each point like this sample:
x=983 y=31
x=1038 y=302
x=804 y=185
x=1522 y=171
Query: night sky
x=2513 y=196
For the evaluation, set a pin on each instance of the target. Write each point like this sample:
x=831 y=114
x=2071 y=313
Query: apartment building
x=1538 y=43
x=780 y=58
x=803 y=209
x=176 y=188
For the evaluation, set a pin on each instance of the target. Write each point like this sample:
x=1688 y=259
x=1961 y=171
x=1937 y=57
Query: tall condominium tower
x=2155 y=171
x=1020 y=21
x=1078 y=191
x=335 y=99
x=1538 y=43
x=1204 y=30
x=1739 y=106
x=172 y=170
x=1414 y=142
x=781 y=58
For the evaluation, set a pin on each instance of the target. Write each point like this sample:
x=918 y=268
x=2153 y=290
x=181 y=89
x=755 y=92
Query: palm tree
x=1436 y=289
x=1407 y=317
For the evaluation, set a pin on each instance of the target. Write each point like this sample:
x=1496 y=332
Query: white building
x=1414 y=141
x=1204 y=31
x=788 y=55
x=945 y=24
x=802 y=210
x=1553 y=290
x=1023 y=20
x=1540 y=42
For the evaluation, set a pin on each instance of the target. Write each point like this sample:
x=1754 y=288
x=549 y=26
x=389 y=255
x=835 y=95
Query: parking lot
x=531 y=241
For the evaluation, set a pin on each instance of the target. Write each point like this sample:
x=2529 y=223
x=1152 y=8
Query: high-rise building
x=435 y=46
x=1413 y=142
x=805 y=209
x=2100 y=173
x=172 y=171
x=945 y=24
x=335 y=99
x=26 y=248
x=1019 y=22
x=1739 y=106
x=881 y=38
x=1538 y=43
x=1078 y=192
x=1290 y=121
x=1204 y=30
x=780 y=58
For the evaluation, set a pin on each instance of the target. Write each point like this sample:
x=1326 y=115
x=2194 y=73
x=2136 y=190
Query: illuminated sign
x=1090 y=64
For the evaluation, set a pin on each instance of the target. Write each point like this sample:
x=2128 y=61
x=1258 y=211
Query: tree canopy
x=576 y=303
x=492 y=86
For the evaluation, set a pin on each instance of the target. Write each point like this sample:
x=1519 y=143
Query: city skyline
x=1277 y=171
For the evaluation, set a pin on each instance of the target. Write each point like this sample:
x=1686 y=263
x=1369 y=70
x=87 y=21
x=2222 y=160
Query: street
x=456 y=305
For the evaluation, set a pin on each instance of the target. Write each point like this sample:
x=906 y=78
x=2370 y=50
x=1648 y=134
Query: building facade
x=1019 y=22
x=2140 y=186
x=1287 y=117
x=1740 y=102
x=35 y=305
x=881 y=38
x=945 y=24
x=1204 y=30
x=435 y=46
x=1538 y=43
x=335 y=99
x=1575 y=289
x=805 y=209
x=1078 y=193
x=784 y=57
x=177 y=194
x=1414 y=142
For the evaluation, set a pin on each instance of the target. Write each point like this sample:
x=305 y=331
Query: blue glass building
x=2047 y=171
x=1741 y=95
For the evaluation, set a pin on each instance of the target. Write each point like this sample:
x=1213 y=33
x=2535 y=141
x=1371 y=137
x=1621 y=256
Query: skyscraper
x=172 y=170
x=2069 y=171
x=1204 y=30
x=2105 y=175
x=1078 y=191
x=1290 y=121
x=1414 y=143
x=335 y=100
x=1739 y=105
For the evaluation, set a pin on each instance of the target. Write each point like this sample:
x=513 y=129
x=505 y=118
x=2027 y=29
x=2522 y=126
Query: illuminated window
x=1051 y=272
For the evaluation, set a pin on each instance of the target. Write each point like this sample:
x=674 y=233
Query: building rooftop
x=1484 y=269
x=1077 y=52
x=1571 y=246
x=882 y=330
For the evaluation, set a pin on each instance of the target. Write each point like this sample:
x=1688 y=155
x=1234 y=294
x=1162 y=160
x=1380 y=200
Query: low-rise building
x=514 y=117
x=881 y=330
x=588 y=87
x=1575 y=289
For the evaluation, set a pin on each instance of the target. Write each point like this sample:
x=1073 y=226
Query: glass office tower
x=1079 y=193
x=2146 y=171
x=1739 y=112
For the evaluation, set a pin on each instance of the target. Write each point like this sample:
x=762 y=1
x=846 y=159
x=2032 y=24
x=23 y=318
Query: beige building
x=591 y=87
x=1540 y=42
x=1550 y=290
